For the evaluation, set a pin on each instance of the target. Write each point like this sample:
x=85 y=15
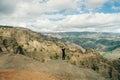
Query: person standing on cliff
x=63 y=53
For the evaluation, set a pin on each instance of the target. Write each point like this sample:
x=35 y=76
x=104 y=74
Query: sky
x=62 y=15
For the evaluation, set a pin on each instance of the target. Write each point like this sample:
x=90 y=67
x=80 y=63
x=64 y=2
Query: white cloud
x=97 y=18
x=61 y=4
x=92 y=4
x=7 y=7
x=26 y=8
x=54 y=16
x=82 y=22
x=33 y=8
x=31 y=14
x=116 y=8
x=43 y=25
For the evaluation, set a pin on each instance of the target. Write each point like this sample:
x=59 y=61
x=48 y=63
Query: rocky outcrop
x=58 y=68
x=42 y=48
x=93 y=60
x=106 y=68
x=32 y=44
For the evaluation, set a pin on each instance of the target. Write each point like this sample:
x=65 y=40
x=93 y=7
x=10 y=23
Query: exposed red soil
x=25 y=75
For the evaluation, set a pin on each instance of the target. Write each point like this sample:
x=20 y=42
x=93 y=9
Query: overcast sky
x=62 y=15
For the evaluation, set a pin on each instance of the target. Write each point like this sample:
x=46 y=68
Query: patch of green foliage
x=56 y=56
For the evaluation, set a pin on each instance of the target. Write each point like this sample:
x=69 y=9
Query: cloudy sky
x=62 y=15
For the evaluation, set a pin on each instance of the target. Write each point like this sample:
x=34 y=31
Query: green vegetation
x=43 y=60
x=97 y=44
x=67 y=57
x=1 y=26
x=5 y=42
x=56 y=56
x=20 y=50
x=36 y=46
x=103 y=42
x=74 y=63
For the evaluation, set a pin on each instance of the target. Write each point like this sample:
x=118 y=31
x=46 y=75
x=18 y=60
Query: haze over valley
x=108 y=44
x=43 y=54
x=59 y=40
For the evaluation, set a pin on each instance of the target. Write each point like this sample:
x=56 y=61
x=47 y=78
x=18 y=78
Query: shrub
x=56 y=56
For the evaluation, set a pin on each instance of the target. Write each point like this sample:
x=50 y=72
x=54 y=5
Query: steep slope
x=56 y=68
x=103 y=42
x=35 y=45
x=15 y=41
x=115 y=54
x=25 y=75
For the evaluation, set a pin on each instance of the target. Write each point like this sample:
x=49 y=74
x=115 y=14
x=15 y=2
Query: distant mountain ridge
x=85 y=34
x=103 y=42
x=45 y=48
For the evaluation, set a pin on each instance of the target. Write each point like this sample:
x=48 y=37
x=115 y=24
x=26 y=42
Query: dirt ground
x=25 y=75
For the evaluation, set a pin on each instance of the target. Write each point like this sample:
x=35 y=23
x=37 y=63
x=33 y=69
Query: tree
x=20 y=50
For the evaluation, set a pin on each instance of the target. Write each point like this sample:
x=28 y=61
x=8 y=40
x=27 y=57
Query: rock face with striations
x=43 y=48
x=32 y=44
